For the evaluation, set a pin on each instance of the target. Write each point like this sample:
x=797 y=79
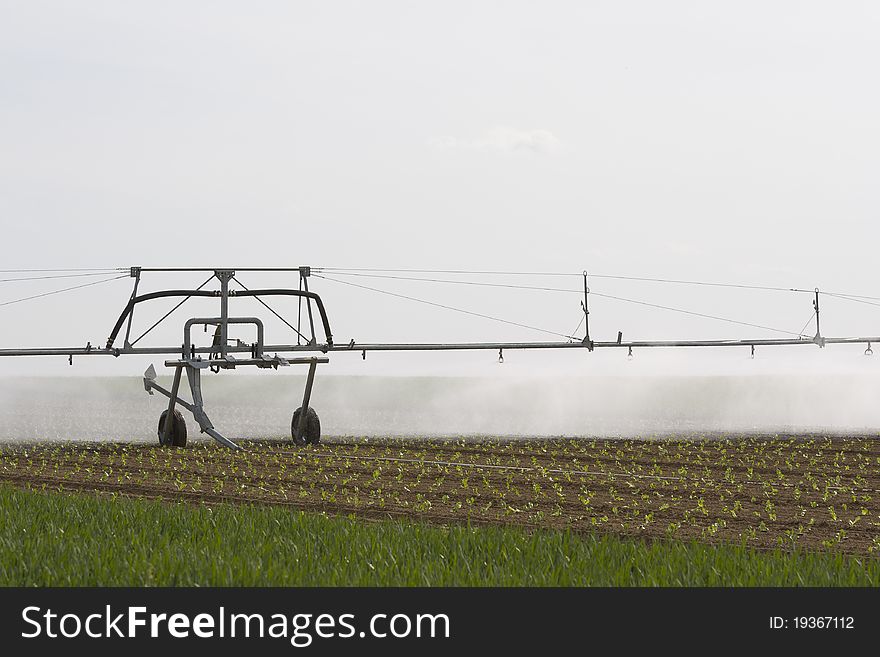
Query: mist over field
x=248 y=406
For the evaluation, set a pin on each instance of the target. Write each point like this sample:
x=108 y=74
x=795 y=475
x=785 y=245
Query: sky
x=728 y=142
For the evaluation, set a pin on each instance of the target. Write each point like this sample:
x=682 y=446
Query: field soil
x=763 y=491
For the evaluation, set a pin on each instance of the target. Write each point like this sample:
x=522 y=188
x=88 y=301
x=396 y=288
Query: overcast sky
x=734 y=142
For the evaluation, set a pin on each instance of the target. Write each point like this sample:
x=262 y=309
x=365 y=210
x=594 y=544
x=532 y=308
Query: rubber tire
x=312 y=433
x=178 y=429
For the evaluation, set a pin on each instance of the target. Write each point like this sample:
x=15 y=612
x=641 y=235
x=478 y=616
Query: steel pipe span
x=440 y=346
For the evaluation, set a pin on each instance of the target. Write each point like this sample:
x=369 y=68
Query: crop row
x=773 y=492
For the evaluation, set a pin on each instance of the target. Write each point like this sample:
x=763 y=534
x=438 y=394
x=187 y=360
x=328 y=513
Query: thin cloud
x=502 y=139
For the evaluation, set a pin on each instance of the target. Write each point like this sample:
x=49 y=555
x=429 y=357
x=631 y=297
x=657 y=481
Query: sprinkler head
x=629 y=355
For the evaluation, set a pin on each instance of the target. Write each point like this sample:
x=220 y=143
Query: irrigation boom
x=223 y=354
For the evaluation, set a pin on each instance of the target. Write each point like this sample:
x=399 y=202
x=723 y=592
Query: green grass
x=59 y=539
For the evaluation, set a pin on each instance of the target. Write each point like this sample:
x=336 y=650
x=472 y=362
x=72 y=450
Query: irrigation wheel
x=312 y=433
x=178 y=430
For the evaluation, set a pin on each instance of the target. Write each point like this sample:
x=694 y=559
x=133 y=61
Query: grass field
x=748 y=510
x=60 y=539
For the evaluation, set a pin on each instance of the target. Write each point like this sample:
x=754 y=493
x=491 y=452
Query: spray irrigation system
x=224 y=353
